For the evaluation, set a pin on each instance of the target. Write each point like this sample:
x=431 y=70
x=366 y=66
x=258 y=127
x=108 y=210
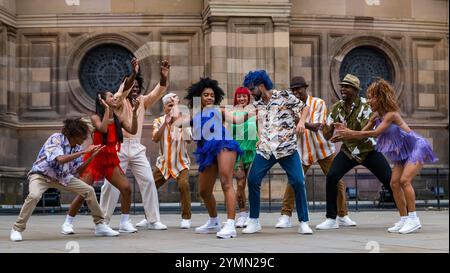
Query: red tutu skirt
x=102 y=166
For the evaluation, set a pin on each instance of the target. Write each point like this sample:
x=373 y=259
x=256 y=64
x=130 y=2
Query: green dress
x=246 y=135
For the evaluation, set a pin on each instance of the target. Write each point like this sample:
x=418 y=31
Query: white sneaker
x=157 y=226
x=228 y=231
x=142 y=224
x=105 y=230
x=209 y=227
x=304 y=228
x=241 y=222
x=127 y=227
x=67 y=229
x=247 y=221
x=284 y=222
x=328 y=224
x=346 y=221
x=253 y=226
x=411 y=225
x=15 y=236
x=185 y=224
x=397 y=226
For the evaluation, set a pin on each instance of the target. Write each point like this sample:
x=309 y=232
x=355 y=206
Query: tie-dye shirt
x=46 y=164
x=276 y=121
x=356 y=119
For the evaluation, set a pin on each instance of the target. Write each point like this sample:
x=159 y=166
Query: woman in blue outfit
x=216 y=154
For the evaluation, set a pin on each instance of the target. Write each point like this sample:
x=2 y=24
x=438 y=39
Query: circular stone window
x=368 y=64
x=103 y=68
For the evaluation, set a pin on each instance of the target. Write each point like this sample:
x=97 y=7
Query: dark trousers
x=375 y=162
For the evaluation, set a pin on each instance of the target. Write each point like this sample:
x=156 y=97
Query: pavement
x=43 y=235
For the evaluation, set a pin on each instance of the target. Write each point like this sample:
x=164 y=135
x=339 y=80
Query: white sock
x=214 y=220
x=69 y=219
x=412 y=215
x=124 y=218
x=243 y=214
x=403 y=218
x=230 y=222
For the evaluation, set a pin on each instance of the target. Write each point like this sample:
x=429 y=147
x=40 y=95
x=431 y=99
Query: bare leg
x=408 y=174
x=241 y=177
x=225 y=162
x=119 y=181
x=397 y=190
x=206 y=187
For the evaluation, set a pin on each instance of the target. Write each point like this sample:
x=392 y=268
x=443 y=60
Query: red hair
x=240 y=91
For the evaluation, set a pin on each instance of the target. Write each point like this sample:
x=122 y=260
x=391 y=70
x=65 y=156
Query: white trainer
x=304 y=228
x=157 y=226
x=228 y=231
x=328 y=224
x=253 y=226
x=185 y=224
x=284 y=222
x=15 y=236
x=397 y=226
x=127 y=227
x=240 y=223
x=411 y=225
x=67 y=229
x=209 y=227
x=142 y=224
x=105 y=230
x=346 y=221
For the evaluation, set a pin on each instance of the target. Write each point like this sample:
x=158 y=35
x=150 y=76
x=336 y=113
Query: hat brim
x=350 y=84
x=298 y=85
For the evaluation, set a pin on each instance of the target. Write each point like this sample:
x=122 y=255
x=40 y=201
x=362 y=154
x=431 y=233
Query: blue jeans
x=293 y=167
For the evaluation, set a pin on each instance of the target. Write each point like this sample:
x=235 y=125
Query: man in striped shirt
x=313 y=147
x=173 y=161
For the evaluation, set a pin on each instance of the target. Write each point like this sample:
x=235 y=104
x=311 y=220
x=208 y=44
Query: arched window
x=103 y=68
x=368 y=64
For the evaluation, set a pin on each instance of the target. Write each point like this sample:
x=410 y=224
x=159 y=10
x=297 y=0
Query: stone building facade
x=54 y=55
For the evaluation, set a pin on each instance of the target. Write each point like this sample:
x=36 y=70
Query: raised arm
x=159 y=127
x=132 y=128
x=127 y=84
x=101 y=125
x=160 y=88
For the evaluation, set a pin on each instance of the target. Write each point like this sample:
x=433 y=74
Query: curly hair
x=254 y=78
x=74 y=127
x=197 y=88
x=384 y=93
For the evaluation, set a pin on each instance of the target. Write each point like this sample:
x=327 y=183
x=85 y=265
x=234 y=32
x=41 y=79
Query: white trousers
x=132 y=154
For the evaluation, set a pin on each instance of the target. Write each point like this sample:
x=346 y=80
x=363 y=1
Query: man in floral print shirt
x=277 y=112
x=353 y=112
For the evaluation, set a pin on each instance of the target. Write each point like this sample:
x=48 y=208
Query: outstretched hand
x=165 y=66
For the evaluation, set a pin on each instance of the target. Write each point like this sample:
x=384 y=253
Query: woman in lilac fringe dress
x=407 y=150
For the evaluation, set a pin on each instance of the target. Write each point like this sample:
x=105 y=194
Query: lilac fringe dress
x=401 y=147
x=209 y=141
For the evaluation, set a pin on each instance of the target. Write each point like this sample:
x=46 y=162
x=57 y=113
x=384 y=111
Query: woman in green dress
x=246 y=135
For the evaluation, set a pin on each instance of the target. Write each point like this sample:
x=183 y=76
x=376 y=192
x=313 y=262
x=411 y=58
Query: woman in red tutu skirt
x=108 y=132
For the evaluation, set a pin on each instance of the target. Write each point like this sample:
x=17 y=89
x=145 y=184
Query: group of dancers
x=289 y=127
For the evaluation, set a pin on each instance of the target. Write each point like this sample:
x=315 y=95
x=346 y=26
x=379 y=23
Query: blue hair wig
x=254 y=78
